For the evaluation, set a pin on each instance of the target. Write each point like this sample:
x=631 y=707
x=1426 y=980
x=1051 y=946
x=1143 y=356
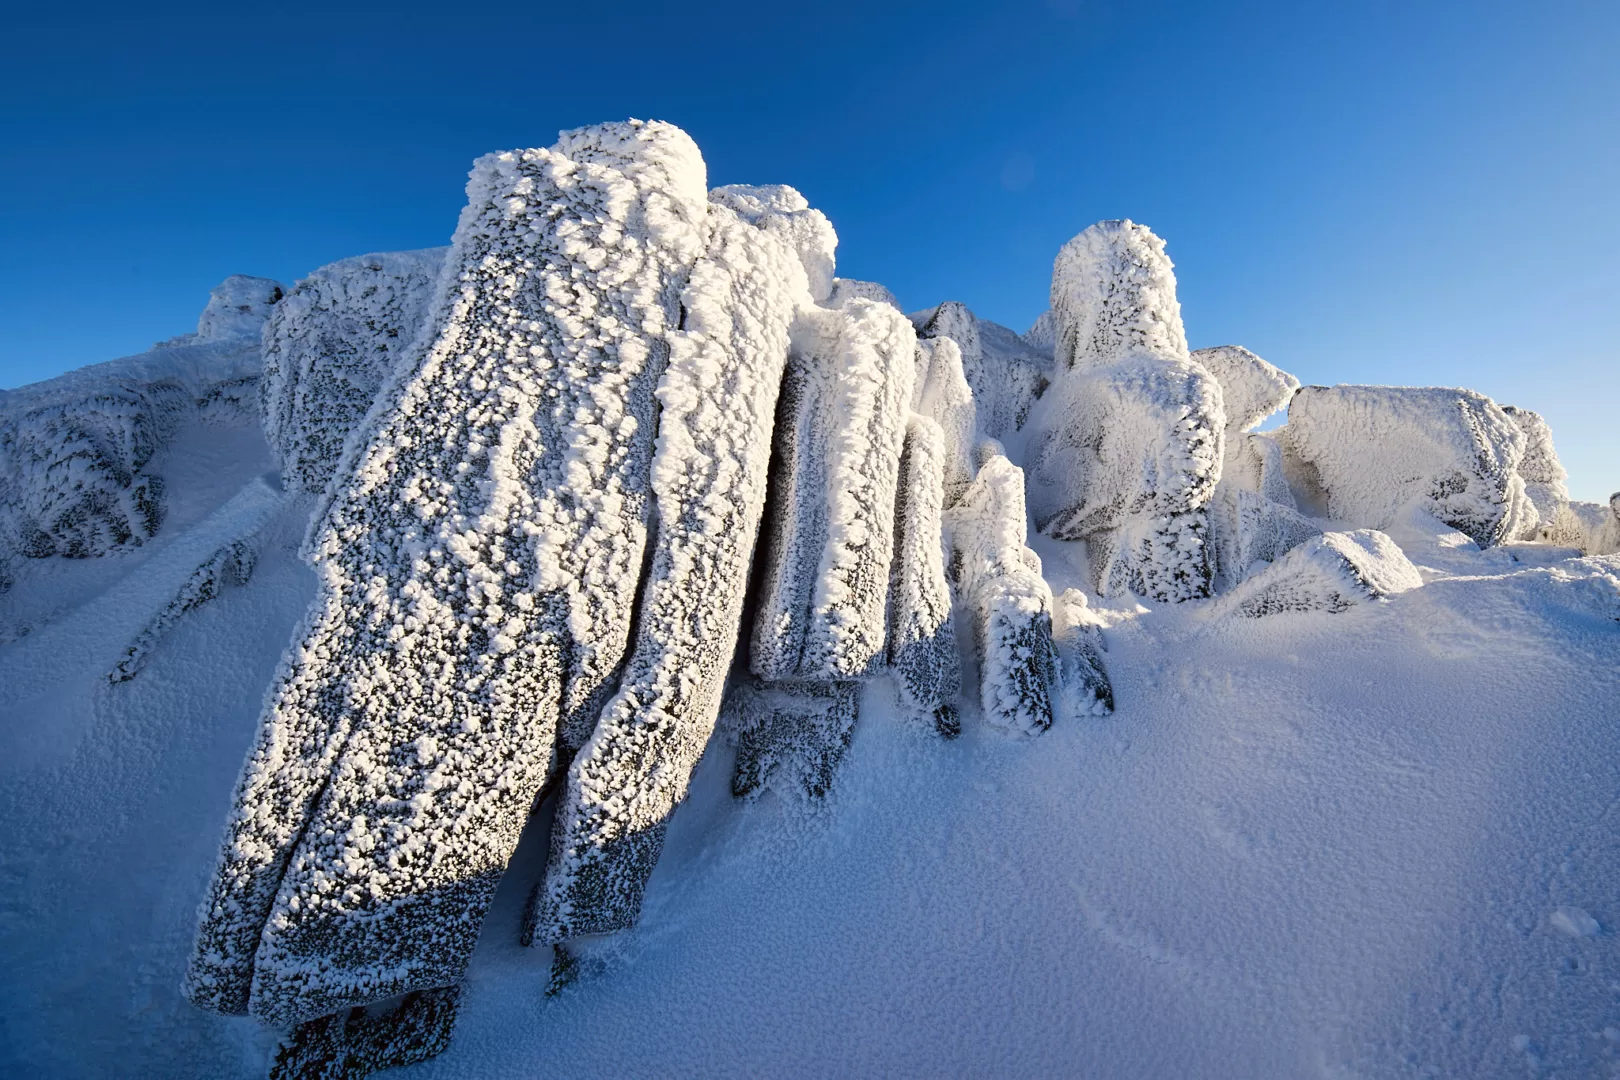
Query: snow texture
x=710 y=476
x=353 y=1045
x=841 y=425
x=784 y=213
x=791 y=736
x=1329 y=573
x=477 y=569
x=231 y=565
x=1113 y=294
x=1251 y=389
x=328 y=348
x=1370 y=452
x=999 y=583
x=1006 y=374
x=1083 y=688
x=1042 y=333
x=922 y=633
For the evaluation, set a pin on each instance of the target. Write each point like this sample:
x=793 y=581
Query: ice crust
x=328 y=348
x=1371 y=452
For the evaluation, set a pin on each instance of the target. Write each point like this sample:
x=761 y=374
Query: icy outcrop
x=837 y=460
x=922 y=633
x=1369 y=452
x=792 y=735
x=328 y=348
x=1544 y=477
x=1082 y=678
x=79 y=454
x=710 y=474
x=1042 y=333
x=945 y=397
x=845 y=290
x=784 y=213
x=1126 y=447
x=354 y=1044
x=1005 y=373
x=478 y=570
x=231 y=565
x=999 y=584
x=1331 y=572
x=1251 y=389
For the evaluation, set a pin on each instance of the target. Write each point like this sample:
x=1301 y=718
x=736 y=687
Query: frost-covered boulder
x=1251 y=389
x=709 y=476
x=1000 y=588
x=1253 y=518
x=232 y=565
x=783 y=212
x=922 y=633
x=1592 y=527
x=328 y=348
x=846 y=289
x=1006 y=374
x=1330 y=573
x=1365 y=454
x=944 y=396
x=1042 y=333
x=837 y=461
x=791 y=736
x=479 y=569
x=1113 y=294
x=80 y=455
x=1545 y=481
x=1082 y=678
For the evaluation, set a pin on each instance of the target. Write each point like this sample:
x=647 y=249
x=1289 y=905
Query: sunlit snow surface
x=1380 y=842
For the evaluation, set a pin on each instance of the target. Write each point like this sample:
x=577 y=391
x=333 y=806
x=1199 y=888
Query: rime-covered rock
x=922 y=633
x=328 y=348
x=1113 y=295
x=1545 y=481
x=80 y=454
x=999 y=585
x=1367 y=453
x=1042 y=333
x=791 y=736
x=231 y=565
x=709 y=480
x=1592 y=527
x=845 y=290
x=840 y=428
x=1005 y=373
x=1331 y=573
x=354 y=1044
x=1083 y=688
x=783 y=212
x=478 y=569
x=1251 y=389
x=944 y=396
x=1253 y=518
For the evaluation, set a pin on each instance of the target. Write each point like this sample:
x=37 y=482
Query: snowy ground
x=1379 y=843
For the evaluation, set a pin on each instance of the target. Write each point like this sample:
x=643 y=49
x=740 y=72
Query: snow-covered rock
x=1253 y=518
x=1365 y=454
x=837 y=461
x=1006 y=374
x=1083 y=687
x=1251 y=389
x=237 y=309
x=945 y=397
x=1331 y=573
x=478 y=572
x=791 y=736
x=999 y=584
x=922 y=633
x=1544 y=478
x=846 y=289
x=328 y=348
x=709 y=478
x=1113 y=294
x=231 y=565
x=783 y=212
x=1042 y=333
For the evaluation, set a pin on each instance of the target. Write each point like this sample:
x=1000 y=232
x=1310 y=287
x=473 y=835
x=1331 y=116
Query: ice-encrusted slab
x=1251 y=389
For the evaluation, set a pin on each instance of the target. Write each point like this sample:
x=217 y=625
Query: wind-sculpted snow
x=922 y=633
x=1251 y=389
x=842 y=422
x=1331 y=572
x=1083 y=687
x=231 y=565
x=328 y=348
x=477 y=569
x=1006 y=374
x=999 y=583
x=1113 y=294
x=709 y=480
x=784 y=213
x=1373 y=451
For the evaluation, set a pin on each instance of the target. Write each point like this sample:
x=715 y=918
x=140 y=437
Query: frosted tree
x=1371 y=452
x=478 y=569
x=709 y=475
x=1330 y=573
x=1126 y=447
x=999 y=585
x=1005 y=373
x=922 y=633
x=329 y=346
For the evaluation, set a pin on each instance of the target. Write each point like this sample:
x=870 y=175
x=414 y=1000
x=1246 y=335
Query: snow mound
x=1367 y=453
x=1251 y=389
x=999 y=582
x=1331 y=572
x=1006 y=374
x=328 y=348
x=476 y=587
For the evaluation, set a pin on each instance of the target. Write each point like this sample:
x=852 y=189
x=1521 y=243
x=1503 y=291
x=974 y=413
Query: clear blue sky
x=1407 y=192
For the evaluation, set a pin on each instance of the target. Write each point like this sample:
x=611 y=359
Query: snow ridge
x=477 y=570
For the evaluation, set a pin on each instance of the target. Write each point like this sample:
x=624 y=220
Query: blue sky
x=1368 y=192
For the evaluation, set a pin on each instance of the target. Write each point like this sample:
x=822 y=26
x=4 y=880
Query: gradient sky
x=1411 y=193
